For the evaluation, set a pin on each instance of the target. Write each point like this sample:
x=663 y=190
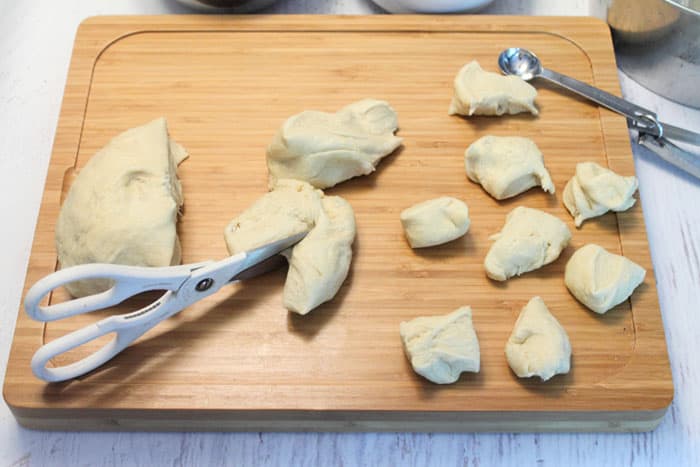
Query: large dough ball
x=122 y=208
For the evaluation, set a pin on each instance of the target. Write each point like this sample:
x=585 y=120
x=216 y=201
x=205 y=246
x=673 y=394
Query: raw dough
x=538 y=345
x=435 y=221
x=318 y=264
x=479 y=92
x=442 y=347
x=600 y=279
x=324 y=149
x=529 y=239
x=123 y=206
x=291 y=208
x=595 y=190
x=506 y=166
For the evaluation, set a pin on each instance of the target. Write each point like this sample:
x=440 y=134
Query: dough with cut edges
x=122 y=208
x=291 y=208
x=435 y=221
x=319 y=263
x=595 y=190
x=440 y=348
x=325 y=149
x=480 y=92
x=529 y=239
x=538 y=345
x=600 y=279
x=506 y=166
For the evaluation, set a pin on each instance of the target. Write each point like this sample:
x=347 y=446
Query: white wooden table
x=35 y=44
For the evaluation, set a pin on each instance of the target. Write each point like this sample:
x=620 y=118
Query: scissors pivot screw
x=204 y=284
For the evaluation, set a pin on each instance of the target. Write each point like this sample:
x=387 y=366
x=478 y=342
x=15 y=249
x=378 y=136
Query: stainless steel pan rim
x=685 y=7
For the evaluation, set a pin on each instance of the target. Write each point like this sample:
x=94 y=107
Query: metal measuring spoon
x=653 y=134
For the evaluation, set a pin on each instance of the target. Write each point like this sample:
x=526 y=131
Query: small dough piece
x=291 y=208
x=435 y=221
x=442 y=347
x=600 y=279
x=479 y=92
x=320 y=262
x=123 y=206
x=538 y=345
x=595 y=190
x=529 y=239
x=325 y=149
x=506 y=166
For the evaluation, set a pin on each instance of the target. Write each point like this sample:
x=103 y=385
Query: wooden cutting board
x=239 y=360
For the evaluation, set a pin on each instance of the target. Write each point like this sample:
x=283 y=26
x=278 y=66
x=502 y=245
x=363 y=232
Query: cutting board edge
x=347 y=421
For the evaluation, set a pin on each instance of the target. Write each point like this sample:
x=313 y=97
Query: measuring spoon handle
x=642 y=118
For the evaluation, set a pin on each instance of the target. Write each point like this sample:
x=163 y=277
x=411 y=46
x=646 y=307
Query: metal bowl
x=227 y=6
x=657 y=43
x=432 y=6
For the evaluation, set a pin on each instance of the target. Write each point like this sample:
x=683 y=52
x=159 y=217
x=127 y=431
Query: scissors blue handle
x=183 y=285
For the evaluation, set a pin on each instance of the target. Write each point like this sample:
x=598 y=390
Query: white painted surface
x=35 y=45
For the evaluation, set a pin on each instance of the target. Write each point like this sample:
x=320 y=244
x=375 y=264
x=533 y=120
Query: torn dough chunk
x=479 y=92
x=595 y=190
x=600 y=279
x=538 y=345
x=319 y=263
x=290 y=209
x=506 y=166
x=123 y=206
x=324 y=149
x=442 y=347
x=529 y=239
x=435 y=221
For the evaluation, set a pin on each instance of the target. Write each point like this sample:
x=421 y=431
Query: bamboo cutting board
x=238 y=360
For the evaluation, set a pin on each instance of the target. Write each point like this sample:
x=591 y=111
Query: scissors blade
x=672 y=154
x=267 y=265
x=264 y=258
x=680 y=134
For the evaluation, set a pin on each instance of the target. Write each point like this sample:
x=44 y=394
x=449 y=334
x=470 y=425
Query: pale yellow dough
x=318 y=264
x=506 y=166
x=123 y=206
x=529 y=239
x=435 y=221
x=538 y=345
x=440 y=348
x=291 y=208
x=595 y=190
x=479 y=92
x=325 y=149
x=600 y=279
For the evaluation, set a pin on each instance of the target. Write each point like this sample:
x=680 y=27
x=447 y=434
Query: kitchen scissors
x=183 y=285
